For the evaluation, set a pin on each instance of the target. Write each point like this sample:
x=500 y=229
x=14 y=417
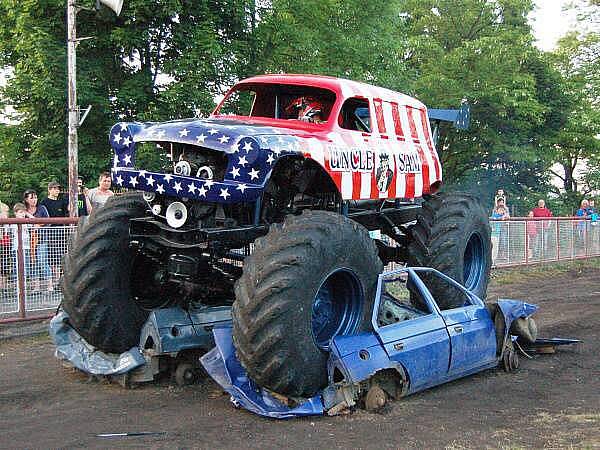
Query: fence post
x=21 y=271
x=526 y=241
x=586 y=237
x=573 y=233
x=508 y=242
x=557 y=240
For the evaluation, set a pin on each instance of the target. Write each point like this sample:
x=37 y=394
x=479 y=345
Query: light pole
x=73 y=109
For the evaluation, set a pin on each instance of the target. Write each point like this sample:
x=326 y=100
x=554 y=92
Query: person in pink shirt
x=541 y=238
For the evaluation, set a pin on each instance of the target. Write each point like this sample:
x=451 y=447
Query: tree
x=483 y=51
x=358 y=40
x=158 y=60
x=169 y=59
x=577 y=146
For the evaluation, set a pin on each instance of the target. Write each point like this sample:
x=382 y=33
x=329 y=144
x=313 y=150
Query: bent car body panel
x=472 y=337
x=514 y=309
x=224 y=367
x=421 y=346
x=357 y=365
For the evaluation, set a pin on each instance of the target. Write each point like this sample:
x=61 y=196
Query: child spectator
x=51 y=235
x=532 y=231
x=5 y=247
x=20 y=211
x=56 y=206
x=499 y=213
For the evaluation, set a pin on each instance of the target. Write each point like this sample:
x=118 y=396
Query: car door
x=418 y=339
x=470 y=327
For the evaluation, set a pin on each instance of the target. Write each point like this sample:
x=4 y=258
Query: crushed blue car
x=414 y=345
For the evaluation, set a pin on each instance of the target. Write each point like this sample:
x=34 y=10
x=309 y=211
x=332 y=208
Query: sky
x=550 y=22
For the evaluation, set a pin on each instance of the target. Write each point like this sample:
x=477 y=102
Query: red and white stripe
x=402 y=127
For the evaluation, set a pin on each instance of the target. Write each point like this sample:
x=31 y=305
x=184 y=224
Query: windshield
x=279 y=101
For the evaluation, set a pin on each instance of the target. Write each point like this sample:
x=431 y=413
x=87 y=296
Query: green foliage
x=482 y=51
x=362 y=41
x=168 y=59
x=576 y=146
x=158 y=60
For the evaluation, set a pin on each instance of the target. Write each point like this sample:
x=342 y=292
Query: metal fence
x=521 y=241
x=31 y=252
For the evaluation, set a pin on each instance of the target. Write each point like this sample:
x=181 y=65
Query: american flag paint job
x=397 y=159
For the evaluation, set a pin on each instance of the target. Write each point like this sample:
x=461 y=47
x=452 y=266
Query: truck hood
x=251 y=149
x=216 y=134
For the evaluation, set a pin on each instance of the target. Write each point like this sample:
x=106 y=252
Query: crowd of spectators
x=40 y=247
x=538 y=231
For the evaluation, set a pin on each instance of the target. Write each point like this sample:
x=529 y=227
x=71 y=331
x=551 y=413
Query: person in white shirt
x=20 y=211
x=99 y=195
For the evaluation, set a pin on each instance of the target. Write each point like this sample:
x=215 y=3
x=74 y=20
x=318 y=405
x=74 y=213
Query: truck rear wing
x=460 y=118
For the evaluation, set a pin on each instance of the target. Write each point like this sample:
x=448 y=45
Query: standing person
x=499 y=213
x=594 y=231
x=584 y=209
x=20 y=211
x=532 y=228
x=584 y=212
x=542 y=236
x=84 y=206
x=5 y=247
x=39 y=246
x=501 y=196
x=55 y=205
x=99 y=195
x=51 y=235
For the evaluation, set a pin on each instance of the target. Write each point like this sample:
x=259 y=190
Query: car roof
x=341 y=86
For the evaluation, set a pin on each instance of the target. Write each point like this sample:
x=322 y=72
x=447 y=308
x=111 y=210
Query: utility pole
x=73 y=109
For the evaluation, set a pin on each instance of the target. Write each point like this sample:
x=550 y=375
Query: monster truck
x=285 y=204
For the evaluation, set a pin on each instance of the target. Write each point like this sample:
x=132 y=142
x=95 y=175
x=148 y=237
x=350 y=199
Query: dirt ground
x=552 y=402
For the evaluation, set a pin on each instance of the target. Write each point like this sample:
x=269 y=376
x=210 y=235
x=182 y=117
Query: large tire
x=310 y=278
x=97 y=278
x=452 y=235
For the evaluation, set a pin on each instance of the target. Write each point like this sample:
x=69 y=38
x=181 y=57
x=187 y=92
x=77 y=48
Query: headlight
x=205 y=172
x=183 y=168
x=176 y=214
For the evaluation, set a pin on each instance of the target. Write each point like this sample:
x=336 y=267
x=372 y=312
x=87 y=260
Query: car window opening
x=279 y=101
x=401 y=300
x=355 y=115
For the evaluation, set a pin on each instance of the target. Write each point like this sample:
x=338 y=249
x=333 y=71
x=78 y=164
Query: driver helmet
x=306 y=108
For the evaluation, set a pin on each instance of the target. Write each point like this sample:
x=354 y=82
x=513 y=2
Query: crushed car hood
x=70 y=346
x=224 y=367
